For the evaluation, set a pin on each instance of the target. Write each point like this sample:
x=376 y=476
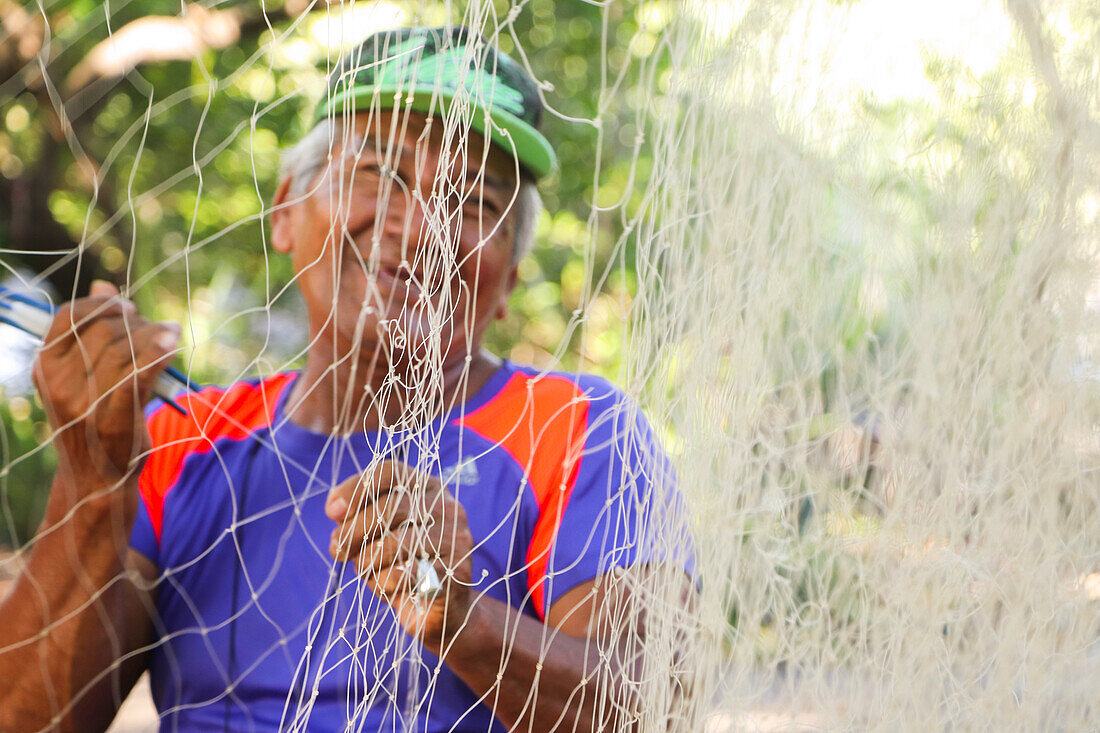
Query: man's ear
x=509 y=286
x=281 y=235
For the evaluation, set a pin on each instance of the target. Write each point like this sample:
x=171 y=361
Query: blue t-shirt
x=561 y=479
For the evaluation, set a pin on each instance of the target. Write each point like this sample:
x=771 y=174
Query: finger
x=76 y=317
x=367 y=486
x=133 y=363
x=69 y=365
x=394 y=581
x=106 y=348
x=94 y=306
x=393 y=509
x=438 y=502
x=102 y=289
x=154 y=347
x=112 y=354
x=341 y=497
x=436 y=537
x=416 y=509
x=371 y=522
x=375 y=557
x=446 y=537
x=105 y=343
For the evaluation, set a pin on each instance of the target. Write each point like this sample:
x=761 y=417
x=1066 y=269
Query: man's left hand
x=389 y=517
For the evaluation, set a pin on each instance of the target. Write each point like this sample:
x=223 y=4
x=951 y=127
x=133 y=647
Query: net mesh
x=855 y=300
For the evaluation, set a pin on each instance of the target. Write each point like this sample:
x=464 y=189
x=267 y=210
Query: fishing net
x=841 y=257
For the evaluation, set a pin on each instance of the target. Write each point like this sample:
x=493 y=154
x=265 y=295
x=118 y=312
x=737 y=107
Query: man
x=407 y=534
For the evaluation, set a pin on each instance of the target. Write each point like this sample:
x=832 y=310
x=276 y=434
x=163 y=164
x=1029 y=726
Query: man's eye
x=485 y=206
x=377 y=171
x=361 y=172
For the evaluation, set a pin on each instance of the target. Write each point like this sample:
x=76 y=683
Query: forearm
x=69 y=616
x=535 y=678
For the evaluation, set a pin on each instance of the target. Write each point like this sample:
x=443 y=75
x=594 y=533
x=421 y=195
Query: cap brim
x=508 y=132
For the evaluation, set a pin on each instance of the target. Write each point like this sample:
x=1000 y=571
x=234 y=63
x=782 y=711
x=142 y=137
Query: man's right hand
x=94 y=374
x=77 y=618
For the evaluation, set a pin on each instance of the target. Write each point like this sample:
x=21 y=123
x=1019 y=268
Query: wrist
x=82 y=543
x=90 y=464
x=480 y=630
x=102 y=451
x=89 y=500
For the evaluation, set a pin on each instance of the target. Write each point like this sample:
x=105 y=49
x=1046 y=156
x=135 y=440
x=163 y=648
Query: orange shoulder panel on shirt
x=212 y=414
x=541 y=422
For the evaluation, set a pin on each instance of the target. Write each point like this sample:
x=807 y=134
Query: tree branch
x=22 y=38
x=24 y=201
x=158 y=38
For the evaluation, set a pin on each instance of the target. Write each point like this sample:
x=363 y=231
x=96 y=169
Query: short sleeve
x=205 y=417
x=143 y=537
x=624 y=507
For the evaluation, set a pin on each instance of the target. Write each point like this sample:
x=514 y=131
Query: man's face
x=404 y=240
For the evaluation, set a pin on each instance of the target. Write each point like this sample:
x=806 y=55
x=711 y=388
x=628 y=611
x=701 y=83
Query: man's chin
x=399 y=339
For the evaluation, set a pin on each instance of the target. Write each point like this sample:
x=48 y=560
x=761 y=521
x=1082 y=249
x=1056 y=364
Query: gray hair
x=309 y=156
x=526 y=212
x=306 y=158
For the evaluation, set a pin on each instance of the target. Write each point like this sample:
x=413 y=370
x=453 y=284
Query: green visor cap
x=425 y=69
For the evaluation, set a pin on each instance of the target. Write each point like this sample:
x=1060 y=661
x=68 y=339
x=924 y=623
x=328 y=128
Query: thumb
x=339 y=498
x=352 y=491
x=102 y=289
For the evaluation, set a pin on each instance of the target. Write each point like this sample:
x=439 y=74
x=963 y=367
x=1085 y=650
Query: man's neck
x=352 y=396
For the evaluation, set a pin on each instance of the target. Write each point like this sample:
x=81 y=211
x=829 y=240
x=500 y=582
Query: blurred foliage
x=25 y=483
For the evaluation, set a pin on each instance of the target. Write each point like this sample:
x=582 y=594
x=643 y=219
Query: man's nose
x=413 y=217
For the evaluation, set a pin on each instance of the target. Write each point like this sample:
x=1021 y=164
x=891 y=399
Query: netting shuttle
x=34 y=317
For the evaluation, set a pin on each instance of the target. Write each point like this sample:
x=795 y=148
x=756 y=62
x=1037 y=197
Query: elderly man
x=410 y=533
